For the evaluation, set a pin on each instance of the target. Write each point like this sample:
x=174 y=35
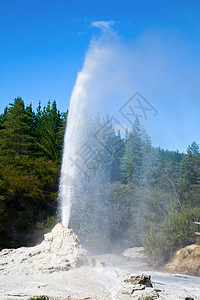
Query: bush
x=177 y=231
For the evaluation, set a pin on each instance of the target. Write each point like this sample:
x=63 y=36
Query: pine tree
x=189 y=182
x=137 y=149
x=28 y=183
x=50 y=131
x=16 y=135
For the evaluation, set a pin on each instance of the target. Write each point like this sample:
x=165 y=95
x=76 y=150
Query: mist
x=123 y=87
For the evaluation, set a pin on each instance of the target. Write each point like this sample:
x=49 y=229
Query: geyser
x=95 y=91
x=91 y=176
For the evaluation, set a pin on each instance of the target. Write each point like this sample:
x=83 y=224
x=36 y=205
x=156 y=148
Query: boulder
x=140 y=287
x=186 y=260
x=135 y=253
x=141 y=279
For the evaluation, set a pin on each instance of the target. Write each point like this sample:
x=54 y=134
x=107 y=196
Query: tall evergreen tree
x=28 y=183
x=50 y=131
x=16 y=136
x=189 y=183
x=136 y=151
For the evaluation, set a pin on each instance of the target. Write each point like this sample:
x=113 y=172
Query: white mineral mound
x=59 y=251
x=33 y=271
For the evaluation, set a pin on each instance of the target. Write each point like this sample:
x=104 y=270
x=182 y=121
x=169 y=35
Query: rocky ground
x=186 y=260
x=59 y=268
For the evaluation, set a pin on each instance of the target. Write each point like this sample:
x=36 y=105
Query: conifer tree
x=136 y=151
x=189 y=182
x=16 y=136
x=50 y=130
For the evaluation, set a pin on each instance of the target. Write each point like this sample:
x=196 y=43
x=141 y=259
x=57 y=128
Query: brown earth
x=186 y=260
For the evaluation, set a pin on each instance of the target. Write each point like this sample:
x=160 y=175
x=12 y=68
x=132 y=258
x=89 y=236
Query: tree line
x=148 y=196
x=30 y=157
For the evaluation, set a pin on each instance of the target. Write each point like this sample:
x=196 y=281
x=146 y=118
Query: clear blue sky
x=43 y=45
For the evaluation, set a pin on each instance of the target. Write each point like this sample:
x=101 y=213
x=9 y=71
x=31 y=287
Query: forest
x=148 y=197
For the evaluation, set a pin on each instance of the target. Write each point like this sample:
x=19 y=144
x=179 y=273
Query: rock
x=147 y=293
x=59 y=251
x=135 y=253
x=186 y=260
x=32 y=272
x=139 y=280
x=136 y=258
x=142 y=287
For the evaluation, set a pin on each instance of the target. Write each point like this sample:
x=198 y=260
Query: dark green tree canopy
x=16 y=136
x=149 y=196
x=30 y=156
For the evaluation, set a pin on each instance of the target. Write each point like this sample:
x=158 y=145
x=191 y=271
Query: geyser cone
x=60 y=251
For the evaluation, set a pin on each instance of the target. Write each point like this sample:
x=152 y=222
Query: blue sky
x=43 y=44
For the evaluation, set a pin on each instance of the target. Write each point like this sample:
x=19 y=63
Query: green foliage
x=189 y=181
x=16 y=134
x=136 y=153
x=39 y=298
x=142 y=195
x=50 y=128
x=46 y=225
x=28 y=177
x=198 y=240
x=175 y=232
x=143 y=204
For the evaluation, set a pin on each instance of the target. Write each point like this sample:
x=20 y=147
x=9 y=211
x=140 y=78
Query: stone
x=135 y=253
x=141 y=287
x=141 y=279
x=147 y=293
